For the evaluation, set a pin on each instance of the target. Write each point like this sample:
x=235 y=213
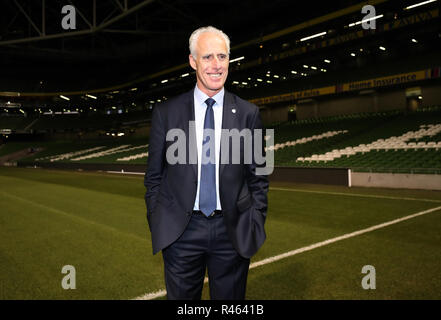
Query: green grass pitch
x=96 y=222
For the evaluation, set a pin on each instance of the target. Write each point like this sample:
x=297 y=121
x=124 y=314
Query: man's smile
x=215 y=75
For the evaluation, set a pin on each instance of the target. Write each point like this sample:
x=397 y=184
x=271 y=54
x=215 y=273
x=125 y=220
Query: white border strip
x=162 y=293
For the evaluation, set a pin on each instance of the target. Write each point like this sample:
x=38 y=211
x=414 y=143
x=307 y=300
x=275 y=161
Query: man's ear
x=192 y=61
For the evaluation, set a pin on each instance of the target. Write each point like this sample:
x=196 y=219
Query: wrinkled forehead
x=211 y=43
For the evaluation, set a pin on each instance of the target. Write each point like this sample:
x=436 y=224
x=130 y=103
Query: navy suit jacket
x=171 y=188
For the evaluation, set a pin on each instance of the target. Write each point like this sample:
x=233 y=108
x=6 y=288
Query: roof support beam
x=43 y=17
x=119 y=5
x=124 y=14
x=142 y=32
x=75 y=33
x=94 y=13
x=180 y=12
x=81 y=15
x=27 y=17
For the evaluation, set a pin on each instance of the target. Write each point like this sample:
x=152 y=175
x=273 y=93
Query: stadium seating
x=15 y=122
x=395 y=141
x=68 y=122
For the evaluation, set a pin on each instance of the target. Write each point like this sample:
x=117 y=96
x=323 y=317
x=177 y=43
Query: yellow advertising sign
x=296 y=95
x=351 y=86
x=384 y=81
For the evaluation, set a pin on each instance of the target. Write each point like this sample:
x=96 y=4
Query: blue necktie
x=207 y=191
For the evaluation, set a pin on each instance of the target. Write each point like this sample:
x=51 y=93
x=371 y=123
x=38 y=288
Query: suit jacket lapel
x=228 y=117
x=188 y=115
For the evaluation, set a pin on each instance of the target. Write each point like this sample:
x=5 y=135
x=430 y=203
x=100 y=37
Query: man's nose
x=215 y=63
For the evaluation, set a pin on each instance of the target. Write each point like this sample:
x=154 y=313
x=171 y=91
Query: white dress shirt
x=199 y=114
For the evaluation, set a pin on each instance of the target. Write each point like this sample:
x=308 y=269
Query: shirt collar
x=200 y=97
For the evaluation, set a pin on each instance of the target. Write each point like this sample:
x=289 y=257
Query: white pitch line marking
x=355 y=195
x=162 y=293
x=127 y=172
x=152 y=295
x=343 y=237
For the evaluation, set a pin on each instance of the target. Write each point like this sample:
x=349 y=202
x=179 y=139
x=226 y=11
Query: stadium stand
x=340 y=99
x=66 y=122
x=395 y=141
x=15 y=122
x=391 y=142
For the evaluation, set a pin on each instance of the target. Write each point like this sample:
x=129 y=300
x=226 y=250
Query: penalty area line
x=162 y=293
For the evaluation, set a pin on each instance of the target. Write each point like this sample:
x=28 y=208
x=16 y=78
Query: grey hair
x=195 y=36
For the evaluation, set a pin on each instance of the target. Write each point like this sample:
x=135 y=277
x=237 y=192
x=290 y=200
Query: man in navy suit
x=208 y=211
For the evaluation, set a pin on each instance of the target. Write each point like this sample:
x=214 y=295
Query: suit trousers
x=204 y=245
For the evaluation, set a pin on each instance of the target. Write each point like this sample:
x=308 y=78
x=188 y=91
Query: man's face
x=211 y=63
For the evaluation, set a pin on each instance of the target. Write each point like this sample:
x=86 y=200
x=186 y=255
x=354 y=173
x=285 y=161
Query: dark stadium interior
x=352 y=101
x=124 y=57
x=149 y=40
x=154 y=39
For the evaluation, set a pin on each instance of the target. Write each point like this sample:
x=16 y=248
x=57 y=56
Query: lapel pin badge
x=233 y=110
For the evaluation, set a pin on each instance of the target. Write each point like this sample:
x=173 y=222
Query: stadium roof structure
x=123 y=51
